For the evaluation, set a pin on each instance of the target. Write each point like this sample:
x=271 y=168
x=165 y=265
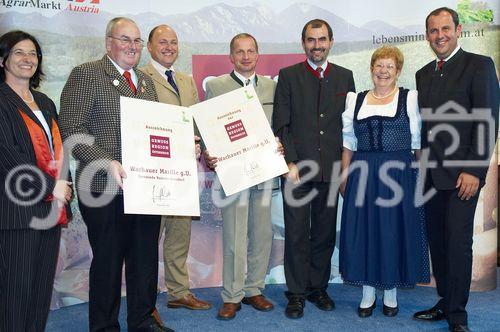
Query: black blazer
x=468 y=80
x=307 y=115
x=16 y=149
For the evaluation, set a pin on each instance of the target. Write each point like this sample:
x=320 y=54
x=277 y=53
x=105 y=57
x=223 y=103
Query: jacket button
x=321 y=132
x=321 y=115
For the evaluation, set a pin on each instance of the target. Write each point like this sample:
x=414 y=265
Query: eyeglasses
x=389 y=67
x=22 y=54
x=125 y=41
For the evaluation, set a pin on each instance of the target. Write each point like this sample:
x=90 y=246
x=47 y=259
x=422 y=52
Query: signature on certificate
x=251 y=168
x=161 y=195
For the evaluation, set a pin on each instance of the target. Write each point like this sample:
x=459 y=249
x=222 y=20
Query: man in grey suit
x=90 y=106
x=175 y=88
x=247 y=230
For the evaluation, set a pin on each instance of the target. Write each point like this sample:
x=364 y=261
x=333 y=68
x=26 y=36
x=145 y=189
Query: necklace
x=385 y=96
x=29 y=101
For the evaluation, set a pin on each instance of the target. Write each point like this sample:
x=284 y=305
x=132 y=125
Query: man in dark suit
x=309 y=100
x=466 y=84
x=90 y=106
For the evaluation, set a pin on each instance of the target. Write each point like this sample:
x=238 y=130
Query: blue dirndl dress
x=383 y=246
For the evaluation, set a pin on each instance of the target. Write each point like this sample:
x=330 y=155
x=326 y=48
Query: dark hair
x=152 y=32
x=438 y=11
x=8 y=41
x=315 y=24
x=242 y=35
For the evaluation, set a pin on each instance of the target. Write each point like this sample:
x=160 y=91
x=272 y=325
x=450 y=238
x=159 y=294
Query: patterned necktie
x=170 y=79
x=128 y=78
x=319 y=70
x=247 y=82
x=440 y=64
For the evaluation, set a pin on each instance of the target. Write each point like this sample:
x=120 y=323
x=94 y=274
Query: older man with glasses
x=90 y=106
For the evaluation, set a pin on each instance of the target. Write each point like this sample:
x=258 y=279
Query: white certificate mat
x=158 y=155
x=236 y=131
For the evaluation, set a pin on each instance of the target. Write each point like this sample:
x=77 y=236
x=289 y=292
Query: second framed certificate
x=236 y=131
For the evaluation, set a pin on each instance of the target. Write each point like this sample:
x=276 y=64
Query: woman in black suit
x=33 y=197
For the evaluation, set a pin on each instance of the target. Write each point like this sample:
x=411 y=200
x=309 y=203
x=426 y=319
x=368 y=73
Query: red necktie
x=440 y=64
x=319 y=70
x=128 y=78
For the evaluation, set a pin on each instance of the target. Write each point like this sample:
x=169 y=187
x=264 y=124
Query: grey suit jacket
x=188 y=94
x=264 y=88
x=90 y=105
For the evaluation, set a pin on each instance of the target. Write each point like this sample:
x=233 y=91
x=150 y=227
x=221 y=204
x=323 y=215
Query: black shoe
x=459 y=328
x=390 y=311
x=321 y=300
x=295 y=307
x=432 y=314
x=367 y=312
x=155 y=327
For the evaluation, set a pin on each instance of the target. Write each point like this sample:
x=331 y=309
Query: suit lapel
x=180 y=85
x=116 y=79
x=155 y=75
x=14 y=99
x=142 y=84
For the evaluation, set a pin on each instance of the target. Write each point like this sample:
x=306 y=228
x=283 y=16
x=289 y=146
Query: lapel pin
x=116 y=82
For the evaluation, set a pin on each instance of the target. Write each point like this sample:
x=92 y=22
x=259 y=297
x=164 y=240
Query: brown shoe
x=228 y=311
x=157 y=317
x=189 y=302
x=259 y=302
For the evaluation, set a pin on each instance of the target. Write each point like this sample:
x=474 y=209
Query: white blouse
x=389 y=110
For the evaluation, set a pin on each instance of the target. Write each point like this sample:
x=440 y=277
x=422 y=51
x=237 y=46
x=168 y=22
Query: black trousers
x=28 y=260
x=450 y=224
x=117 y=238
x=310 y=231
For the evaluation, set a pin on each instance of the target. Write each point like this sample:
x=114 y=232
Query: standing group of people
x=374 y=137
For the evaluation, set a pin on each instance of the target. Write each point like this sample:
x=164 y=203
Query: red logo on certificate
x=160 y=146
x=235 y=130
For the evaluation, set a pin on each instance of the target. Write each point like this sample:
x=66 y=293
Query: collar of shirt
x=162 y=69
x=314 y=66
x=450 y=56
x=133 y=75
x=244 y=79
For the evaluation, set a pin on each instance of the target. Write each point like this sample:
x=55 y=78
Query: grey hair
x=113 y=22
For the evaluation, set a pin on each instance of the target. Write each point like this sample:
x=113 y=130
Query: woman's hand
x=62 y=191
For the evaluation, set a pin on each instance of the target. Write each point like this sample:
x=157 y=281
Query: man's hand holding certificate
x=236 y=131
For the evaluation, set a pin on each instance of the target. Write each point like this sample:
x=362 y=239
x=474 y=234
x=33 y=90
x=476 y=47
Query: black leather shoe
x=459 y=328
x=321 y=300
x=367 y=312
x=390 y=311
x=295 y=307
x=432 y=314
x=155 y=327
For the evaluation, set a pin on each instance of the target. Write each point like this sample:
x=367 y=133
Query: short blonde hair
x=388 y=52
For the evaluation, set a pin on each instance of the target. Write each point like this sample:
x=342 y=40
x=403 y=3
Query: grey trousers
x=247 y=239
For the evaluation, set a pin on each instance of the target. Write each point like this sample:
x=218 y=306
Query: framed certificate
x=236 y=131
x=158 y=155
